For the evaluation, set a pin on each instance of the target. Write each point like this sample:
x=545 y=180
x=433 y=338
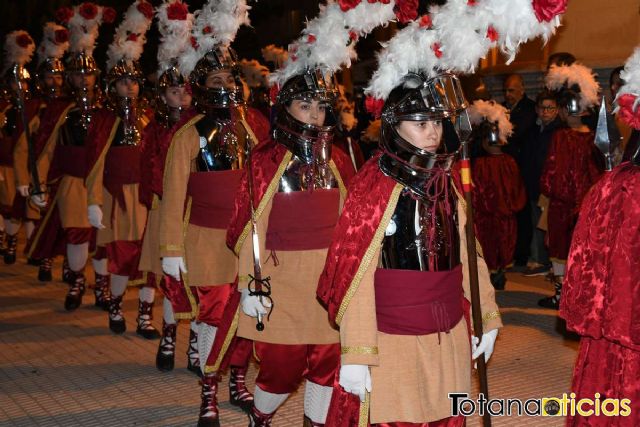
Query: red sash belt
x=122 y=166
x=412 y=302
x=6 y=151
x=212 y=197
x=303 y=220
x=71 y=160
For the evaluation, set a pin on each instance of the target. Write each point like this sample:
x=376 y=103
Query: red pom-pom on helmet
x=177 y=11
x=108 y=15
x=88 y=10
x=64 y=14
x=374 y=106
x=346 y=5
x=406 y=10
x=24 y=40
x=146 y=9
x=61 y=36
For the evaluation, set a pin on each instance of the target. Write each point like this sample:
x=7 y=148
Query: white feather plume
x=14 y=53
x=84 y=32
x=327 y=41
x=175 y=35
x=129 y=40
x=494 y=113
x=255 y=74
x=575 y=74
x=49 y=47
x=216 y=24
x=631 y=75
x=275 y=54
x=462 y=32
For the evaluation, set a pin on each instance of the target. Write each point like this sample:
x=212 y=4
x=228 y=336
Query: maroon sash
x=412 y=302
x=303 y=220
x=71 y=160
x=122 y=166
x=6 y=151
x=212 y=197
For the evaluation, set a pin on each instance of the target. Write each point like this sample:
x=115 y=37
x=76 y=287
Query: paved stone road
x=67 y=369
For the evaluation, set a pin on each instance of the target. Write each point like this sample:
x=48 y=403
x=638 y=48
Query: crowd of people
x=242 y=205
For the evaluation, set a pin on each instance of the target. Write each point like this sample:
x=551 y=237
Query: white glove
x=23 y=190
x=251 y=305
x=355 y=379
x=40 y=200
x=173 y=266
x=95 y=216
x=486 y=345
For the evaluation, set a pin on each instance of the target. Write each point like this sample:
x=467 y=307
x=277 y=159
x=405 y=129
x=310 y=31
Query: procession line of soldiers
x=261 y=234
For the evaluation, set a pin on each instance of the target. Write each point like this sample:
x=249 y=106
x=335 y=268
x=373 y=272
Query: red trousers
x=283 y=366
x=124 y=257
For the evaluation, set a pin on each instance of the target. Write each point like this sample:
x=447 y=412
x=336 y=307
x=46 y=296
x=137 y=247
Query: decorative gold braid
x=359 y=350
x=491 y=315
x=371 y=251
x=138 y=282
x=336 y=173
x=271 y=190
x=185 y=276
x=225 y=345
x=363 y=415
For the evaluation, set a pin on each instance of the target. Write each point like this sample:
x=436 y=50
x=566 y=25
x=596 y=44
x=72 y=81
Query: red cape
x=265 y=161
x=572 y=166
x=102 y=122
x=601 y=291
x=498 y=193
x=48 y=120
x=156 y=139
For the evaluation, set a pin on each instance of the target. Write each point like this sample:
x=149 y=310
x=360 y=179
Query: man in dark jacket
x=523 y=117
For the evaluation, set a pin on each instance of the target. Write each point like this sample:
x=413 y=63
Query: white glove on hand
x=95 y=216
x=251 y=305
x=23 y=190
x=40 y=200
x=173 y=266
x=355 y=379
x=486 y=345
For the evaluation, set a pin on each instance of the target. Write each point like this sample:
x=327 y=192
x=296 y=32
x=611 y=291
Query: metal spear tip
x=607 y=134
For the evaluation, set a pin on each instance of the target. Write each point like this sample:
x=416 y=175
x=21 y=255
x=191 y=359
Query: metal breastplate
x=73 y=130
x=300 y=176
x=223 y=144
x=422 y=235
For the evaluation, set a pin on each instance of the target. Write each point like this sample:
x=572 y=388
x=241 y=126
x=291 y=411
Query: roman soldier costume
x=296 y=185
x=22 y=121
x=170 y=125
x=113 y=159
x=395 y=280
x=572 y=166
x=599 y=296
x=65 y=228
x=50 y=87
x=201 y=178
x=498 y=191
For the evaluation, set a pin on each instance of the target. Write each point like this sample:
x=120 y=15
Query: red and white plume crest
x=575 y=74
x=18 y=49
x=254 y=73
x=55 y=42
x=494 y=113
x=274 y=54
x=329 y=40
x=628 y=97
x=174 y=24
x=83 y=21
x=454 y=38
x=216 y=25
x=129 y=39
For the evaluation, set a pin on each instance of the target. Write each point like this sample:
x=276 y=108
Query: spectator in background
x=535 y=151
x=629 y=136
x=523 y=117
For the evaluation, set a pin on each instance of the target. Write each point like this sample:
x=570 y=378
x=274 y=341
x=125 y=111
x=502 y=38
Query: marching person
x=113 y=159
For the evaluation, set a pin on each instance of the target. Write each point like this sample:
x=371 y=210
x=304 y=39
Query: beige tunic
x=71 y=199
x=411 y=375
x=208 y=260
x=298 y=317
x=150 y=255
